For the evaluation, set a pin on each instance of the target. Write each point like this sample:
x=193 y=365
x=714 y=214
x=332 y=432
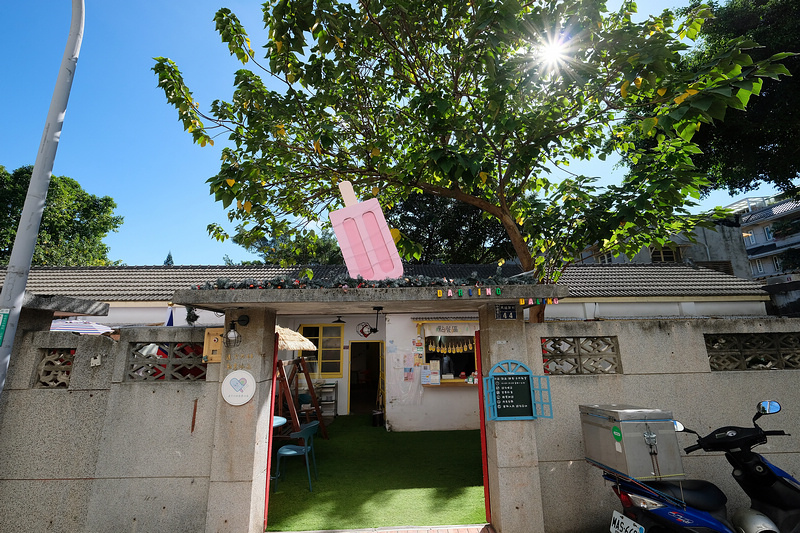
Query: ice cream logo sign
x=370 y=252
x=365 y=240
x=238 y=387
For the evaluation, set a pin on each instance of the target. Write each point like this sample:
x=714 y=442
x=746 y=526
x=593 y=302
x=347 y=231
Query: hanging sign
x=513 y=393
x=238 y=387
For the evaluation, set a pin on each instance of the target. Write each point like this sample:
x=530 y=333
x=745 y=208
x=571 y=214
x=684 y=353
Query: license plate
x=622 y=524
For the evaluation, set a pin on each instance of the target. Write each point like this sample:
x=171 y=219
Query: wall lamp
x=232 y=337
x=377 y=313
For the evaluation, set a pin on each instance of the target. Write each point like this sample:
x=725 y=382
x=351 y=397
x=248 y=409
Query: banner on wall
x=451 y=329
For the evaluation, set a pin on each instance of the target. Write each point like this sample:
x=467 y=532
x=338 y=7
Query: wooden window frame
x=317 y=355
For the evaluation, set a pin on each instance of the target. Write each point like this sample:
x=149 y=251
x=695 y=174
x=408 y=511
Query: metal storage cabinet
x=635 y=441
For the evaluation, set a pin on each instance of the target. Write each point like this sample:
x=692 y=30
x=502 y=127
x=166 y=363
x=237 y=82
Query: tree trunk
x=518 y=242
x=536 y=313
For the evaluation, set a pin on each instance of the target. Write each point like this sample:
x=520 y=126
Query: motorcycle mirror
x=678 y=425
x=768 y=407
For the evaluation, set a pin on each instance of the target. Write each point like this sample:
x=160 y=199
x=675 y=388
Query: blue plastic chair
x=306 y=433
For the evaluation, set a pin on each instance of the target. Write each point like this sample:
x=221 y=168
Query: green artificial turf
x=369 y=478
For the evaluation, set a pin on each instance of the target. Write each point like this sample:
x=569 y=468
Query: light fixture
x=232 y=337
x=377 y=314
x=339 y=320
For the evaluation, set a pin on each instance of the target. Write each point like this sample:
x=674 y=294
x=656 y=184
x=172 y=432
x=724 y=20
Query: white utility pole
x=19 y=265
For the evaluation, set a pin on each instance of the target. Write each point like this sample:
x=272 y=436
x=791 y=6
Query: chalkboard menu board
x=513 y=395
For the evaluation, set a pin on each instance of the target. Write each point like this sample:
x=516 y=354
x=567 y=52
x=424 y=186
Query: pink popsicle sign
x=364 y=238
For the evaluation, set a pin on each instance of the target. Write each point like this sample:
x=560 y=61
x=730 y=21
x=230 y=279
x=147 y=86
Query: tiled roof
x=653 y=279
x=157 y=283
x=772 y=211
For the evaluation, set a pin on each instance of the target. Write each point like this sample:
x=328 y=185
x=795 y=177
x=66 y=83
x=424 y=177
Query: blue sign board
x=514 y=393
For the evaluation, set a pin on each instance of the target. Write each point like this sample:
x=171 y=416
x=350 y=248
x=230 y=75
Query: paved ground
x=480 y=528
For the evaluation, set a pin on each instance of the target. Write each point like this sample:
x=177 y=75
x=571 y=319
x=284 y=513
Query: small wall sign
x=3 y=322
x=505 y=312
x=514 y=393
x=238 y=387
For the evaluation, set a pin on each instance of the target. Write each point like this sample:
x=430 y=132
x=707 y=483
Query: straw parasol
x=292 y=340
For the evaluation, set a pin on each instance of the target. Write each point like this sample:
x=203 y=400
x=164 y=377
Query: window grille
x=165 y=361
x=581 y=355
x=55 y=368
x=606 y=258
x=753 y=351
x=776 y=262
x=665 y=255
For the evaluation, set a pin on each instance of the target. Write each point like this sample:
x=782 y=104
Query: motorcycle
x=700 y=506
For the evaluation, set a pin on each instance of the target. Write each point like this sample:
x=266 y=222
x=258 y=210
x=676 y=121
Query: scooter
x=700 y=506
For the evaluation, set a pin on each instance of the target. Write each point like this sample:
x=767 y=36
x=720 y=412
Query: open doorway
x=365 y=376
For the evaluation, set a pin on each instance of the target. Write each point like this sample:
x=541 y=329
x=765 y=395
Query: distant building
x=771 y=236
x=720 y=249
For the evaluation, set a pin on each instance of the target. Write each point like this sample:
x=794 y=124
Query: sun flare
x=553 y=53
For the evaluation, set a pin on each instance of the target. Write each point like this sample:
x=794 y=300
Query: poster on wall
x=435 y=374
x=426 y=374
x=408 y=367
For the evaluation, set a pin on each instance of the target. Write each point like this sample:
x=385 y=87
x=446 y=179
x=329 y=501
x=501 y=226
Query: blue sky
x=120 y=137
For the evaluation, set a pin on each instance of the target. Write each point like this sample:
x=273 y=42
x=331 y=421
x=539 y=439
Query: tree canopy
x=448 y=231
x=73 y=225
x=322 y=249
x=473 y=101
x=756 y=145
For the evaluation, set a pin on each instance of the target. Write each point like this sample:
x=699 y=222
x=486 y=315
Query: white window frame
x=605 y=258
x=759 y=266
x=768 y=233
x=657 y=254
x=776 y=262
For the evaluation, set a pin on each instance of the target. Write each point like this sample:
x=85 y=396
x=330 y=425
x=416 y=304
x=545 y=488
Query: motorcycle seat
x=697 y=493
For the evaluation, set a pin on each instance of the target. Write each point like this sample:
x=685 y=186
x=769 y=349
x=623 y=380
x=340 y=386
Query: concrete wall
x=665 y=367
x=410 y=406
x=655 y=307
x=107 y=454
x=103 y=455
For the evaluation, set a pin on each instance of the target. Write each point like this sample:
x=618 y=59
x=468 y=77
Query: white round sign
x=238 y=387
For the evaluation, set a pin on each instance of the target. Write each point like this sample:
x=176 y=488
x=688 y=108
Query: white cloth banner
x=451 y=329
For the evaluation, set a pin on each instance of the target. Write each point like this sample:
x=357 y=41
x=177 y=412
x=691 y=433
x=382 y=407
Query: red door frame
x=269 y=432
x=482 y=412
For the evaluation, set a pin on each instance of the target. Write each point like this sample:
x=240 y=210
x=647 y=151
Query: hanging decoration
x=451 y=345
